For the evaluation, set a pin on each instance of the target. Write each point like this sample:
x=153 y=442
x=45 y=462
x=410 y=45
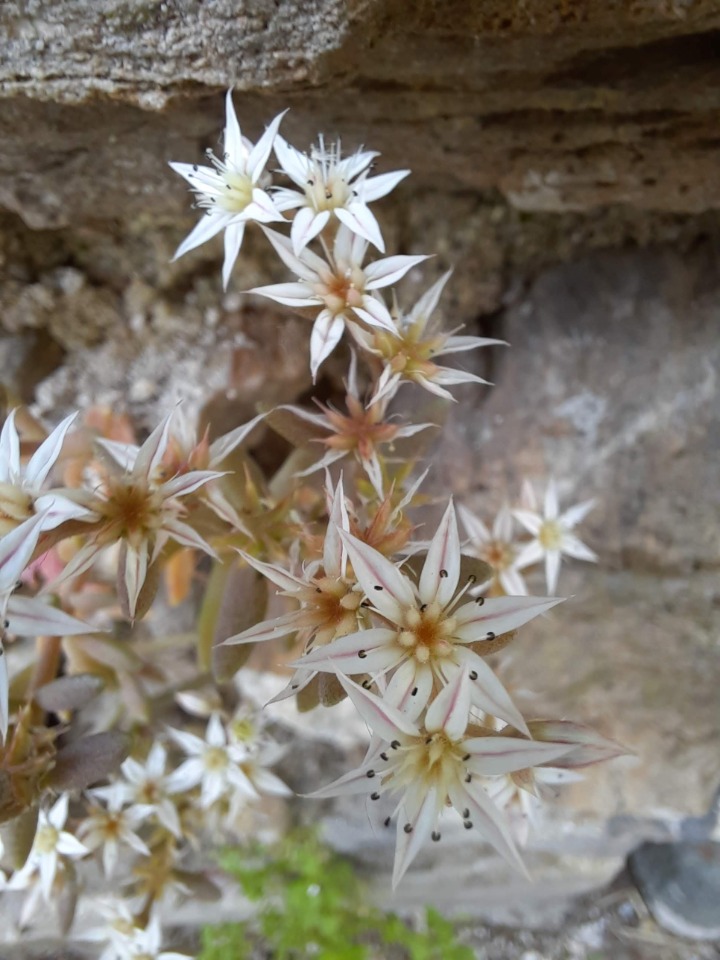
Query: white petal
x=223 y=446
x=306 y=266
x=259 y=154
x=232 y=137
x=496 y=756
x=552 y=569
x=512 y=582
x=58 y=813
x=334 y=553
x=420 y=313
x=289 y=294
x=262 y=208
x=281 y=578
x=153 y=450
x=531 y=553
x=474 y=527
x=136 y=564
x=234 y=234
x=360 y=219
x=574 y=515
x=383 y=273
x=295 y=164
x=373 y=188
x=410 y=688
x=375 y=313
x=326 y=333
x=4 y=694
x=551 y=501
x=531 y=521
x=367 y=651
x=16 y=550
x=306 y=225
x=577 y=549
x=47 y=453
x=461 y=344
x=215 y=733
x=186 y=483
x=9 y=450
x=210 y=224
x=441 y=569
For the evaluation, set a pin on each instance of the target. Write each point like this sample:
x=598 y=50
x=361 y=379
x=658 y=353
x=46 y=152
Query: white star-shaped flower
x=50 y=846
x=436 y=764
x=147 y=788
x=497 y=548
x=21 y=486
x=110 y=828
x=340 y=287
x=330 y=187
x=552 y=533
x=426 y=633
x=214 y=763
x=232 y=191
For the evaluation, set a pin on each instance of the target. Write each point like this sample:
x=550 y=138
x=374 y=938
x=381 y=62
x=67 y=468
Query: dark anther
x=413 y=692
x=195 y=167
x=362 y=654
x=318 y=590
x=366 y=603
x=377 y=587
x=370 y=774
x=408 y=828
x=473 y=675
x=366 y=684
x=428 y=739
x=423 y=608
x=472 y=578
x=383 y=756
x=328 y=194
x=395 y=744
x=490 y=635
x=294 y=686
x=468 y=778
x=480 y=601
x=6 y=624
x=443 y=573
x=311 y=183
x=467 y=824
x=375 y=796
x=386 y=821
x=466 y=758
x=466 y=813
x=435 y=835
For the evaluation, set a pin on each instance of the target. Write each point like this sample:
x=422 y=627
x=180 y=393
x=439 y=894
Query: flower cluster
x=119 y=759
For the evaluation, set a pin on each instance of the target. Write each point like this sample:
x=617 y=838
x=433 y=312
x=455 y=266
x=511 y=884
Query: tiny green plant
x=312 y=903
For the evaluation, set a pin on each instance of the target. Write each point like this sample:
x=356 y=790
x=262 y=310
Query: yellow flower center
x=238 y=194
x=215 y=759
x=46 y=839
x=550 y=535
x=427 y=633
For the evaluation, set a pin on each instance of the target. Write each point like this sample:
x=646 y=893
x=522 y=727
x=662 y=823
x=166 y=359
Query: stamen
x=395 y=744
x=375 y=796
x=435 y=835
x=383 y=756
x=468 y=778
x=480 y=601
x=408 y=828
x=377 y=587
x=370 y=774
x=443 y=574
x=386 y=822
x=362 y=654
x=467 y=824
x=473 y=675
x=490 y=635
x=466 y=813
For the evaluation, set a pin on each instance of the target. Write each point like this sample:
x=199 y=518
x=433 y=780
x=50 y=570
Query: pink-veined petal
x=382 y=718
x=281 y=578
x=366 y=651
x=4 y=694
x=586 y=745
x=334 y=553
x=450 y=709
x=267 y=630
x=223 y=446
x=410 y=688
x=409 y=842
x=186 y=483
x=135 y=569
x=486 y=690
x=498 y=615
x=153 y=450
x=495 y=756
x=183 y=533
x=487 y=819
x=30 y=617
x=385 y=586
x=439 y=577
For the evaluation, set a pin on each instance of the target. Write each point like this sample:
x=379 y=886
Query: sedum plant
x=124 y=750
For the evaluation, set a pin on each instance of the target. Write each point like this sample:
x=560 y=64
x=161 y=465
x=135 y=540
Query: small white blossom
x=147 y=788
x=214 y=764
x=21 y=487
x=331 y=186
x=109 y=829
x=499 y=548
x=51 y=845
x=552 y=533
x=232 y=191
x=146 y=945
x=340 y=287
